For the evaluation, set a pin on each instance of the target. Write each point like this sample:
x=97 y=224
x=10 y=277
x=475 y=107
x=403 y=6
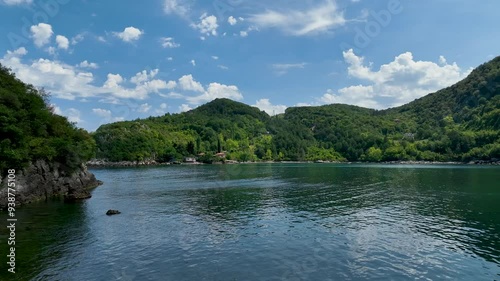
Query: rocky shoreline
x=103 y=163
x=42 y=180
x=106 y=164
x=476 y=162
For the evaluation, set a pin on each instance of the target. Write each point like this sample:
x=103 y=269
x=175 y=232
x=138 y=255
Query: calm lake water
x=268 y=222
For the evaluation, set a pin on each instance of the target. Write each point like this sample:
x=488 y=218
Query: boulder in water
x=113 y=212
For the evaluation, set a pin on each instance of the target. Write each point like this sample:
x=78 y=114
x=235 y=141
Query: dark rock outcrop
x=113 y=212
x=42 y=180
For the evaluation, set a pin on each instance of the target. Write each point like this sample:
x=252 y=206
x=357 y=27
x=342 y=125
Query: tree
x=373 y=154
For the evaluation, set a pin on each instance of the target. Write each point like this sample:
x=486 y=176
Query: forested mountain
x=459 y=123
x=30 y=131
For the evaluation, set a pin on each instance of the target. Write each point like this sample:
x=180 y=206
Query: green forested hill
x=29 y=131
x=220 y=125
x=459 y=123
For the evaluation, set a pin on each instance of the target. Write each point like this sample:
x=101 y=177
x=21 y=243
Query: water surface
x=269 y=222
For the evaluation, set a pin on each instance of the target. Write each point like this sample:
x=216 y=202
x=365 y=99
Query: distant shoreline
x=108 y=164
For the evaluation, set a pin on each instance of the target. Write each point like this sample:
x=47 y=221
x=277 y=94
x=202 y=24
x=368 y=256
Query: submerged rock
x=113 y=212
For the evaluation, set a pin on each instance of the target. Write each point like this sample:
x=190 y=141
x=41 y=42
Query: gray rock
x=42 y=180
x=113 y=212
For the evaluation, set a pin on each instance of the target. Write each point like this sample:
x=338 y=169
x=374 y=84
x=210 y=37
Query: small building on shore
x=189 y=160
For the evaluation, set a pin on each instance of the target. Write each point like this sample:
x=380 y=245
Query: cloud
x=173 y=95
x=405 y=79
x=222 y=67
x=187 y=83
x=145 y=81
x=113 y=81
x=184 y=108
x=232 y=21
x=178 y=7
x=144 y=76
x=17 y=53
x=77 y=39
x=62 y=80
x=168 y=42
x=215 y=57
x=16 y=2
x=51 y=50
x=207 y=25
x=354 y=95
x=76 y=82
x=41 y=34
x=216 y=90
x=193 y=62
x=244 y=33
x=69 y=82
x=395 y=83
x=129 y=34
x=86 y=64
x=442 y=60
x=322 y=18
x=283 y=68
x=171 y=85
x=62 y=42
x=102 y=112
x=143 y=108
x=161 y=110
x=106 y=115
x=265 y=105
x=72 y=114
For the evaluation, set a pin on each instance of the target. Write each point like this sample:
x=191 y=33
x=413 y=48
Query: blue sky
x=106 y=61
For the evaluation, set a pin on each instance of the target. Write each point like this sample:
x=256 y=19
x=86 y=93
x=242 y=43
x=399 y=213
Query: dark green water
x=268 y=222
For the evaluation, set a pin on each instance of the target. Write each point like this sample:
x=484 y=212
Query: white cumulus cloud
x=269 y=108
x=104 y=113
x=187 y=83
x=129 y=34
x=207 y=25
x=69 y=82
x=184 y=108
x=216 y=90
x=394 y=83
x=62 y=42
x=86 y=64
x=41 y=34
x=232 y=20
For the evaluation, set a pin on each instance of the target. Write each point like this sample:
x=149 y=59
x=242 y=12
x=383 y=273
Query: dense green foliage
x=459 y=123
x=29 y=131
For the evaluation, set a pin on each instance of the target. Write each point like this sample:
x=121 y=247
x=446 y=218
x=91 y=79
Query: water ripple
x=275 y=222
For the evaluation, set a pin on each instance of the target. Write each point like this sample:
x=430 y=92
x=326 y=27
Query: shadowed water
x=269 y=222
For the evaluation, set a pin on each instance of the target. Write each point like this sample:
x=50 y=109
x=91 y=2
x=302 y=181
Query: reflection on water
x=270 y=222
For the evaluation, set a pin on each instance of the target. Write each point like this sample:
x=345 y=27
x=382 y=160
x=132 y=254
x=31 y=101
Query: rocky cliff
x=42 y=180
